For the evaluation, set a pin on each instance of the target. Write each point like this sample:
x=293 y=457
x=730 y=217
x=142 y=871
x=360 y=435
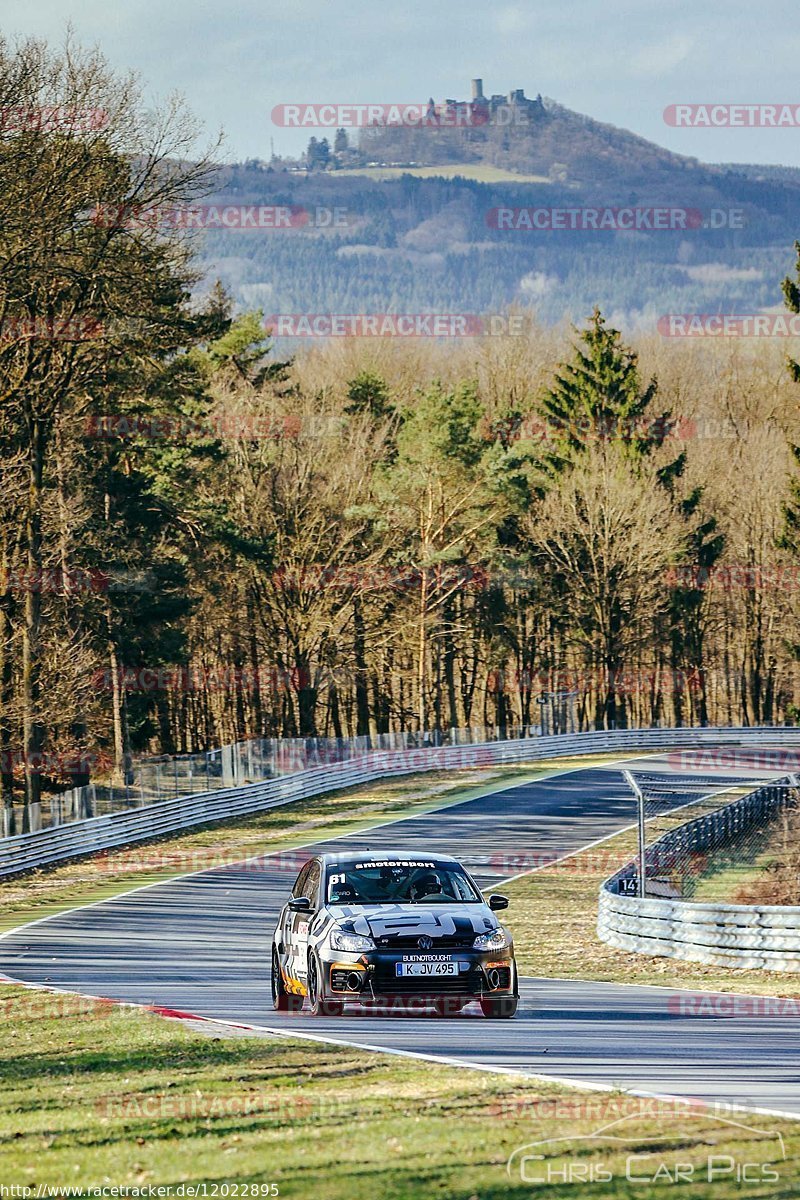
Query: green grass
x=750 y=865
x=93 y=1096
x=481 y=172
x=727 y=872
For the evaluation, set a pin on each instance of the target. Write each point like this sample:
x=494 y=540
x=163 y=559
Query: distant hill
x=418 y=239
x=761 y=171
x=553 y=141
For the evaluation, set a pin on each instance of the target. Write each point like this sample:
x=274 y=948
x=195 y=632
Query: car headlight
x=350 y=942
x=496 y=940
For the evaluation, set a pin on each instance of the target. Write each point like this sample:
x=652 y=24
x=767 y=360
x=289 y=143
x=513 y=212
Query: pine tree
x=689 y=609
x=599 y=397
x=367 y=392
x=791 y=296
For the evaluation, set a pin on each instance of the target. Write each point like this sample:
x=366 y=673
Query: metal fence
x=150 y=780
x=733 y=935
x=116 y=829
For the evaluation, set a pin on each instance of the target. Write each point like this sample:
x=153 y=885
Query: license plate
x=426 y=968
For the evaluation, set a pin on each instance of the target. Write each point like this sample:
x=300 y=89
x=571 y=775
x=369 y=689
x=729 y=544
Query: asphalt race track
x=200 y=944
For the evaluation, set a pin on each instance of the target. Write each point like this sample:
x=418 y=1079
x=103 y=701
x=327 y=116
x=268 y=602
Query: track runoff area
x=199 y=945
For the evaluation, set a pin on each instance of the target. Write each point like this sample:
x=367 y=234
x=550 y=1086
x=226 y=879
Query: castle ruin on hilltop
x=462 y=126
x=513 y=108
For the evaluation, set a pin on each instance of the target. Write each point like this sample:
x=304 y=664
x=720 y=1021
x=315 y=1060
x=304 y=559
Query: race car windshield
x=403 y=883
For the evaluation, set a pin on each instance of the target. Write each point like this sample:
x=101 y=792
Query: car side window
x=299 y=884
x=311 y=884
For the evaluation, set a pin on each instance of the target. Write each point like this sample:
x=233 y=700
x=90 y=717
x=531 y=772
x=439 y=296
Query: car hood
x=407 y=920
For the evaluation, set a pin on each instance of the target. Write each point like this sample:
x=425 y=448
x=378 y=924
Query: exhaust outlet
x=354 y=981
x=494 y=978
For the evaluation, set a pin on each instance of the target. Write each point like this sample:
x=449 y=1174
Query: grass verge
x=99 y=1095
x=764 y=868
x=481 y=172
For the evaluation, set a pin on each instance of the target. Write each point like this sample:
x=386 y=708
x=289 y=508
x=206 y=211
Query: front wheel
x=318 y=1006
x=282 y=1001
x=499 y=1007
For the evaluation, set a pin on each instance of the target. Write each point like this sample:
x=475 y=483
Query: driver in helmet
x=428 y=885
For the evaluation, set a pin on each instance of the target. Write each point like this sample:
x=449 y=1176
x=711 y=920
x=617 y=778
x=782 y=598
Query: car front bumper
x=373 y=977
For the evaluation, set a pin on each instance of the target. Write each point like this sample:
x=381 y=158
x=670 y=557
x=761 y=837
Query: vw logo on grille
x=425 y=942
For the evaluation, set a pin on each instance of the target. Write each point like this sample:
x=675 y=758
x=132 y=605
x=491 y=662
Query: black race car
x=397 y=930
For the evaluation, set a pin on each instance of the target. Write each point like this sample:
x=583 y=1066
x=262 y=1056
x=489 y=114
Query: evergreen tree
x=791 y=297
x=599 y=397
x=689 y=610
x=367 y=392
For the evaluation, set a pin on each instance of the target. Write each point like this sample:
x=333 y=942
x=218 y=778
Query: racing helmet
x=427 y=885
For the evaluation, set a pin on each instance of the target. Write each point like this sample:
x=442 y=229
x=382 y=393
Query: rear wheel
x=317 y=1004
x=282 y=1001
x=499 y=1007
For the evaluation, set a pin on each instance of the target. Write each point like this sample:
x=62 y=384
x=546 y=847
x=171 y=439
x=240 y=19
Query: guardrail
x=765 y=937
x=148 y=780
x=44 y=847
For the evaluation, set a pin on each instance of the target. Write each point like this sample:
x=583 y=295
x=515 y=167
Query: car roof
x=401 y=857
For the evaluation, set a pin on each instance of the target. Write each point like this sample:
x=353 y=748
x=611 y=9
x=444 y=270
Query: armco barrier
x=27 y=851
x=765 y=937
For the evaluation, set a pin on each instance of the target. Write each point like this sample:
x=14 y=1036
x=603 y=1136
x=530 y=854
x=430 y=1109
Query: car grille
x=455 y=941
x=464 y=985
x=468 y=983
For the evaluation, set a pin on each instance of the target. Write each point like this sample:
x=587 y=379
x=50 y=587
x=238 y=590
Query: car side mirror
x=497 y=902
x=299 y=904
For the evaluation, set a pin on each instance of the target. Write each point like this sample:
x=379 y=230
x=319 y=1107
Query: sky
x=621 y=62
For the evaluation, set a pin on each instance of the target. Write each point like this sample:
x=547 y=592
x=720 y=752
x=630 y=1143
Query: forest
x=204 y=541
x=414 y=243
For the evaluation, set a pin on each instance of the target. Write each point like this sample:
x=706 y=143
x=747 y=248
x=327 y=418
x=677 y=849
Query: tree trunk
x=34 y=732
x=362 y=678
x=422 y=650
x=6 y=698
x=78 y=728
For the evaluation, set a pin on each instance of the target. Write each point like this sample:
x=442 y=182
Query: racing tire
x=317 y=1004
x=499 y=1007
x=282 y=1001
